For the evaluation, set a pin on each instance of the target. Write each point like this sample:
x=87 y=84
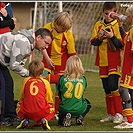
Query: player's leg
x=80 y=119
x=117 y=101
x=127 y=109
x=109 y=102
x=10 y=110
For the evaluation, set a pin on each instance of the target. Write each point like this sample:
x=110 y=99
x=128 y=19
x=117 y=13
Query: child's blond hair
x=74 y=68
x=129 y=11
x=63 y=19
x=36 y=68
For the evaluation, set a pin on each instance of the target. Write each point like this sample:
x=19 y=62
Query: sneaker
x=14 y=120
x=67 y=120
x=5 y=122
x=118 y=118
x=124 y=125
x=107 y=118
x=44 y=124
x=56 y=116
x=79 y=120
x=125 y=119
x=23 y=124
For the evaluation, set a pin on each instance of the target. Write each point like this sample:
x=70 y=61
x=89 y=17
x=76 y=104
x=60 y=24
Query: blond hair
x=129 y=11
x=74 y=68
x=36 y=68
x=63 y=19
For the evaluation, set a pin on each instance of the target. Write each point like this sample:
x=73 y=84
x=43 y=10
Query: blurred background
x=84 y=14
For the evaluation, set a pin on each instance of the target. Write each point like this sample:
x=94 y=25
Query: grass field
x=94 y=93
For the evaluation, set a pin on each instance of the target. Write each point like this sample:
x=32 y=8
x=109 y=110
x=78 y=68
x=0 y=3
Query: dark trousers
x=7 y=93
x=2 y=92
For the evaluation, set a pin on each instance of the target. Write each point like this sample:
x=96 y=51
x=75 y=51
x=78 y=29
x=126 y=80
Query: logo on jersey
x=128 y=38
x=64 y=43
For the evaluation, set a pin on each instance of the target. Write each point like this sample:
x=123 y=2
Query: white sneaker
x=107 y=118
x=125 y=119
x=124 y=125
x=56 y=116
x=118 y=118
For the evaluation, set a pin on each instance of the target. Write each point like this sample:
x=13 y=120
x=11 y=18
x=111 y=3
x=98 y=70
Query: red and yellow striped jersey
x=35 y=95
x=128 y=53
x=62 y=46
x=105 y=56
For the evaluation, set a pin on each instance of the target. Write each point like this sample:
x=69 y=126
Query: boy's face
x=60 y=29
x=106 y=15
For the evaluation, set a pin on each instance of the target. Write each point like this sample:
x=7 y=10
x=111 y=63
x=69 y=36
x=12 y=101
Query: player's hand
x=15 y=20
x=101 y=37
x=3 y=12
x=50 y=63
x=109 y=34
x=120 y=22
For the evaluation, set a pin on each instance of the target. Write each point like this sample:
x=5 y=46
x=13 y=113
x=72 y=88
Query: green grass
x=94 y=93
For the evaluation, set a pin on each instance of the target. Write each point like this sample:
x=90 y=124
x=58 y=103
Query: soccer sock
x=117 y=101
x=110 y=104
x=128 y=113
x=57 y=100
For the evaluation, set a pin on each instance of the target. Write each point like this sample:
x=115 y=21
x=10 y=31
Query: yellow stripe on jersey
x=49 y=94
x=131 y=37
x=103 y=47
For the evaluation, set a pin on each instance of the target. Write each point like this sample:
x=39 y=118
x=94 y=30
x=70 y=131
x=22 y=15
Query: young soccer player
x=71 y=87
x=36 y=98
x=109 y=61
x=60 y=49
x=126 y=82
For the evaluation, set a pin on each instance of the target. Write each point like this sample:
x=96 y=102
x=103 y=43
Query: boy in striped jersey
x=109 y=61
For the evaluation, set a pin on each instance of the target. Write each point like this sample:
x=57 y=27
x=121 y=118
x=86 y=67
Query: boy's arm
x=21 y=95
x=97 y=37
x=96 y=42
x=49 y=93
x=46 y=56
x=122 y=32
x=121 y=29
x=116 y=42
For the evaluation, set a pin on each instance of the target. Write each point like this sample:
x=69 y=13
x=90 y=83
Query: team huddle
x=61 y=66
